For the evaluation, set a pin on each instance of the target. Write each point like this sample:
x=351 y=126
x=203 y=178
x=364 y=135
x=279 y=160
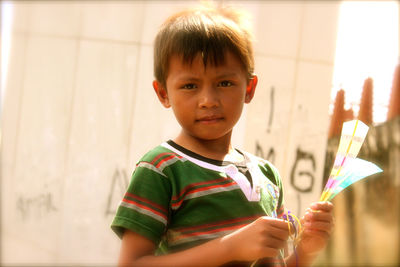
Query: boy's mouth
x=210 y=119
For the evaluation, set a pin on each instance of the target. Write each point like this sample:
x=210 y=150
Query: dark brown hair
x=208 y=31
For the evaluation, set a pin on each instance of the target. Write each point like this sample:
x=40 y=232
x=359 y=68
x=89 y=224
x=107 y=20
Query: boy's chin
x=209 y=137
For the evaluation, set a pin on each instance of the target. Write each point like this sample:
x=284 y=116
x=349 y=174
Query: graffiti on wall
x=37 y=206
x=302 y=175
x=304 y=166
x=119 y=184
x=269 y=155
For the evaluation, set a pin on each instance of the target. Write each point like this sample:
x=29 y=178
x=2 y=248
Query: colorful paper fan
x=347 y=168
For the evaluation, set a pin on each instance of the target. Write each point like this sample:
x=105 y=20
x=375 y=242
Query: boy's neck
x=214 y=149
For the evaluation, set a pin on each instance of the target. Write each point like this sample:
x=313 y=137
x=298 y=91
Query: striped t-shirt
x=180 y=199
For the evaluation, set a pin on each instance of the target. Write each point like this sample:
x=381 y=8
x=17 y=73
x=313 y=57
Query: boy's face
x=207 y=102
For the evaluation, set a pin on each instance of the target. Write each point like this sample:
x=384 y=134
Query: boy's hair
x=208 y=31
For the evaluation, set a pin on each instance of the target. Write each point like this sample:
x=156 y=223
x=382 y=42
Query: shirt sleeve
x=273 y=174
x=144 y=208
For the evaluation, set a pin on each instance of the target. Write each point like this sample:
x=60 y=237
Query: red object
x=339 y=115
x=394 y=102
x=365 y=113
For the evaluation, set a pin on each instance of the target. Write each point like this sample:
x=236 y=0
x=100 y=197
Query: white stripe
x=151 y=167
x=212 y=191
x=169 y=162
x=201 y=163
x=201 y=237
x=145 y=212
x=208 y=192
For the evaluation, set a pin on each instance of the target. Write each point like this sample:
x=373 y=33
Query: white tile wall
x=40 y=149
x=113 y=21
x=97 y=146
x=12 y=101
x=277 y=28
x=60 y=18
x=270 y=111
x=294 y=59
x=152 y=123
x=319 y=31
x=21 y=16
x=312 y=99
x=9 y=137
x=47 y=92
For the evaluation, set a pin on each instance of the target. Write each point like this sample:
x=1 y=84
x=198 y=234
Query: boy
x=195 y=200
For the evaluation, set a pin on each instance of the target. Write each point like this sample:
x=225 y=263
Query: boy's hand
x=261 y=239
x=318 y=224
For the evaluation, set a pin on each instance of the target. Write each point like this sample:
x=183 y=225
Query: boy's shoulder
x=159 y=154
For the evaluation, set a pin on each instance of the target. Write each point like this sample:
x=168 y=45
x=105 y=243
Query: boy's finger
x=319 y=226
x=275 y=222
x=318 y=216
x=316 y=233
x=275 y=243
x=281 y=234
x=322 y=205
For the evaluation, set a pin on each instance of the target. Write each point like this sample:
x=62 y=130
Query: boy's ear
x=251 y=89
x=162 y=94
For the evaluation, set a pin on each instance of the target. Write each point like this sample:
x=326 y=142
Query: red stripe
x=159 y=156
x=144 y=207
x=146 y=201
x=165 y=159
x=197 y=184
x=218 y=223
x=210 y=187
x=280 y=211
x=211 y=231
x=203 y=189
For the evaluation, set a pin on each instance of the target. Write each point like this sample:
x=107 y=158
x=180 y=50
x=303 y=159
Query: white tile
x=119 y=20
x=268 y=114
x=10 y=121
x=104 y=88
x=277 y=27
x=320 y=31
x=21 y=16
x=12 y=101
x=299 y=121
x=98 y=145
x=40 y=157
x=308 y=132
x=47 y=94
x=102 y=106
x=152 y=123
x=279 y=75
x=313 y=96
x=17 y=250
x=61 y=18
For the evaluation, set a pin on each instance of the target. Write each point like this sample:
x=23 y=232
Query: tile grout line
x=133 y=97
x=295 y=83
x=63 y=177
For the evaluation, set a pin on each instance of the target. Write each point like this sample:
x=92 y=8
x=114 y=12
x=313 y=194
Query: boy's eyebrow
x=187 y=77
x=194 y=77
x=227 y=75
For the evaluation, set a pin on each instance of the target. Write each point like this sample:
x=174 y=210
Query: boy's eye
x=189 y=86
x=225 y=84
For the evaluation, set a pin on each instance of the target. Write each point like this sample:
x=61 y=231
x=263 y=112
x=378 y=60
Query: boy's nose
x=208 y=98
